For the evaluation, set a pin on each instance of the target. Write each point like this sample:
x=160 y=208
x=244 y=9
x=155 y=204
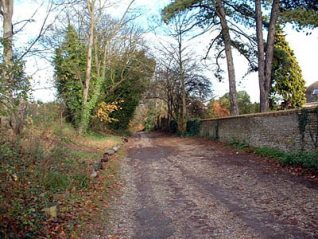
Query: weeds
x=49 y=166
x=304 y=159
x=239 y=144
x=56 y=182
x=7 y=152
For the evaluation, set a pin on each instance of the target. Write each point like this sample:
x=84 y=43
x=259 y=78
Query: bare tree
x=179 y=77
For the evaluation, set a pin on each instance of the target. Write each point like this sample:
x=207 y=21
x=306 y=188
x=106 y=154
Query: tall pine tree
x=288 y=83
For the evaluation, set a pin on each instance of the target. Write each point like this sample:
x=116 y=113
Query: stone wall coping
x=265 y=114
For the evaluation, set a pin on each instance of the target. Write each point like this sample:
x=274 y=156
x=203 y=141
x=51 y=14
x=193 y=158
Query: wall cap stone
x=265 y=114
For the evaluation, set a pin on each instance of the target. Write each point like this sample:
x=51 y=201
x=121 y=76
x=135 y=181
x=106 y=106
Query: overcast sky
x=305 y=48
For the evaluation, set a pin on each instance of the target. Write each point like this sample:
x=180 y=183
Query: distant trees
x=221 y=107
x=179 y=75
x=234 y=16
x=180 y=97
x=211 y=15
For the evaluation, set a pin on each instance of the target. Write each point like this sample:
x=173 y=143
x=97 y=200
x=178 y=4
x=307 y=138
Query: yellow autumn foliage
x=105 y=109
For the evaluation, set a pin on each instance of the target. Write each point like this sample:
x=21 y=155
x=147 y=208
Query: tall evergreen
x=288 y=83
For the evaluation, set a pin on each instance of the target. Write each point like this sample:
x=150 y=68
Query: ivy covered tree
x=69 y=62
x=137 y=77
x=287 y=81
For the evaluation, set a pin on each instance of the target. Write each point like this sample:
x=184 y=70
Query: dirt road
x=194 y=188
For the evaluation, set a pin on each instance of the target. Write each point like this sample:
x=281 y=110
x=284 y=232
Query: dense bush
x=193 y=127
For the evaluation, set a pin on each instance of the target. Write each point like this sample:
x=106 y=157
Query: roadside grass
x=50 y=166
x=304 y=159
x=308 y=160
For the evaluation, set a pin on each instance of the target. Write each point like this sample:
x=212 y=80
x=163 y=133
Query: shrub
x=173 y=126
x=193 y=127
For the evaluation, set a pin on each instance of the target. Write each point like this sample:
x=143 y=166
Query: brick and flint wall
x=290 y=130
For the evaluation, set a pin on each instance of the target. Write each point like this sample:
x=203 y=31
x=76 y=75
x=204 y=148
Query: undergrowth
x=238 y=144
x=50 y=165
x=301 y=158
x=304 y=159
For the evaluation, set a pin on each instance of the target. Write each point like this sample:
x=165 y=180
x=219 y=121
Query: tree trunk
x=90 y=5
x=265 y=59
x=182 y=124
x=229 y=57
x=270 y=45
x=85 y=108
x=261 y=57
x=7 y=12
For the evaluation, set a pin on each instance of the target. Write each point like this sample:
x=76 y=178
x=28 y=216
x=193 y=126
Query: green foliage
x=304 y=159
x=302 y=122
x=193 y=127
x=81 y=181
x=131 y=100
x=301 y=17
x=129 y=92
x=151 y=117
x=196 y=109
x=302 y=13
x=173 y=126
x=244 y=102
x=7 y=151
x=15 y=84
x=69 y=63
x=14 y=92
x=36 y=150
x=122 y=81
x=176 y=7
x=288 y=83
x=238 y=144
x=43 y=115
x=56 y=181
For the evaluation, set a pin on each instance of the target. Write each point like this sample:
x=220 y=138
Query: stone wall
x=280 y=130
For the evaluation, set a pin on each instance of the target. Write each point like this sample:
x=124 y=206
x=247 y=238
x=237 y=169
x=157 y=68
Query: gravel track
x=194 y=188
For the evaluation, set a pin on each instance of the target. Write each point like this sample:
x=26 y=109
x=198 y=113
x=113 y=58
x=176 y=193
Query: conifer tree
x=287 y=81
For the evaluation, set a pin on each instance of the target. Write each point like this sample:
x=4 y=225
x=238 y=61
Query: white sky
x=305 y=48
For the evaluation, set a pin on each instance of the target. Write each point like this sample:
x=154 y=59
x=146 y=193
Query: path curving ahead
x=194 y=188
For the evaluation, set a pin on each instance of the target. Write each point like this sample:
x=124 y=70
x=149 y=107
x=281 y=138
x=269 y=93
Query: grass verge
x=304 y=159
x=308 y=160
x=49 y=166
